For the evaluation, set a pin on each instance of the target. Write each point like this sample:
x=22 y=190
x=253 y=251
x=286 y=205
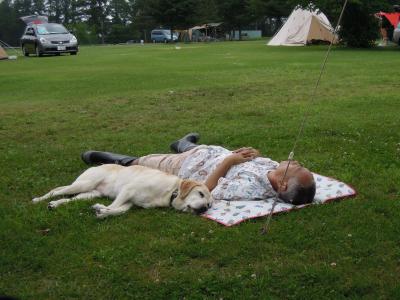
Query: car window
x=157 y=33
x=51 y=29
x=42 y=30
x=167 y=32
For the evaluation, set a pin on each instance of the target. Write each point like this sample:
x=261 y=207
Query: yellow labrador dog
x=133 y=185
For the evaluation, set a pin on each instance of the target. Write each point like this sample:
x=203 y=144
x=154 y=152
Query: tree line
x=115 y=21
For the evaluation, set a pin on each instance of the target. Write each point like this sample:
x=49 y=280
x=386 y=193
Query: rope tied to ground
x=305 y=118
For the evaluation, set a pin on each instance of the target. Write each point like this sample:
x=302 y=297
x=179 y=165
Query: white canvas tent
x=302 y=27
x=3 y=54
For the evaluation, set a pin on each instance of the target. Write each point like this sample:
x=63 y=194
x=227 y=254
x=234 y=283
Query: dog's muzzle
x=201 y=210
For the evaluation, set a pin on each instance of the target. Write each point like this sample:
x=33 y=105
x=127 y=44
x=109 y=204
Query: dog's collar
x=173 y=196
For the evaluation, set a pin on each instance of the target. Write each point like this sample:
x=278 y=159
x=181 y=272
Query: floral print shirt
x=245 y=181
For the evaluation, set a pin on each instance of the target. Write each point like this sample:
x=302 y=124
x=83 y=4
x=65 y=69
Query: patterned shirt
x=245 y=181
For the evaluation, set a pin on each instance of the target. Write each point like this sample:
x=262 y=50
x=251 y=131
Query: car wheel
x=37 y=51
x=73 y=53
x=24 y=51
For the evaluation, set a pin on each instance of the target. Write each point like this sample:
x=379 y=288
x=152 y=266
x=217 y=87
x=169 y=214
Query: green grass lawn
x=137 y=99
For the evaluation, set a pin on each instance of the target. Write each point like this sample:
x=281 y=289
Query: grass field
x=135 y=100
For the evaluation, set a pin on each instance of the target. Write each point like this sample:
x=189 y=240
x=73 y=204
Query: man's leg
x=170 y=163
x=188 y=142
x=99 y=158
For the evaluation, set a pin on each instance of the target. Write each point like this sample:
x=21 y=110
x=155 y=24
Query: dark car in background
x=48 y=38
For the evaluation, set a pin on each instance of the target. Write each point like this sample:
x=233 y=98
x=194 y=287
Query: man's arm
x=248 y=151
x=225 y=165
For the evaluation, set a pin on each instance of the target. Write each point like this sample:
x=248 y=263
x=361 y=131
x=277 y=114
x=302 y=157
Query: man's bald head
x=298 y=187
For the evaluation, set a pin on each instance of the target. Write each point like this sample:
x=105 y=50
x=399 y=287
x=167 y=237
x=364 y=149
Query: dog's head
x=193 y=197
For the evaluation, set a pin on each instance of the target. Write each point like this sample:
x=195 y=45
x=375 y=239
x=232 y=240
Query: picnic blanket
x=230 y=213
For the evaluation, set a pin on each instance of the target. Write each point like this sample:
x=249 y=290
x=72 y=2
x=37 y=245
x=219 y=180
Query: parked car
x=396 y=35
x=163 y=35
x=48 y=38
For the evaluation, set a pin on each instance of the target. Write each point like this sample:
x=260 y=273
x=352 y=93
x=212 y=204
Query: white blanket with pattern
x=230 y=213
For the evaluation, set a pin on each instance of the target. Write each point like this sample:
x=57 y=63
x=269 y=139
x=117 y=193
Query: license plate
x=61 y=48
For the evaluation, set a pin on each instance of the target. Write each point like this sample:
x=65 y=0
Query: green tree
x=269 y=14
x=142 y=20
x=97 y=13
x=207 y=12
x=270 y=8
x=120 y=11
x=55 y=10
x=236 y=14
x=72 y=11
x=174 y=14
x=39 y=7
x=9 y=29
x=361 y=33
x=84 y=32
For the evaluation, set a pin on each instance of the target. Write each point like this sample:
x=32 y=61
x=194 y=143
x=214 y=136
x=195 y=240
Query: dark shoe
x=186 y=143
x=98 y=158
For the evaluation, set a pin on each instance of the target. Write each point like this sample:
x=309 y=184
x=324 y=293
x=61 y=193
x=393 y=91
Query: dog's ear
x=186 y=187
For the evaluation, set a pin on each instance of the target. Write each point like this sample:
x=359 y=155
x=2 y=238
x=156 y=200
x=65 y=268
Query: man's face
x=302 y=174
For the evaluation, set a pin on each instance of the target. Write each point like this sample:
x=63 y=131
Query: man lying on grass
x=230 y=175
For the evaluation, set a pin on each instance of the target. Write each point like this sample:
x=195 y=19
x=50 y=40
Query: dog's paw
x=100 y=215
x=97 y=207
x=52 y=205
x=36 y=200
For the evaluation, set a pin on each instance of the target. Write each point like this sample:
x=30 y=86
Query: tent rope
x=7 y=46
x=304 y=120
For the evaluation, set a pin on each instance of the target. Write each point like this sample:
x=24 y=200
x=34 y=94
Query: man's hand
x=248 y=152
x=238 y=158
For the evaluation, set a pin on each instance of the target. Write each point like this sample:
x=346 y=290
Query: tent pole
x=304 y=121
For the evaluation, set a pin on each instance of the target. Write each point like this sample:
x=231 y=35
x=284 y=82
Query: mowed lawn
x=136 y=100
